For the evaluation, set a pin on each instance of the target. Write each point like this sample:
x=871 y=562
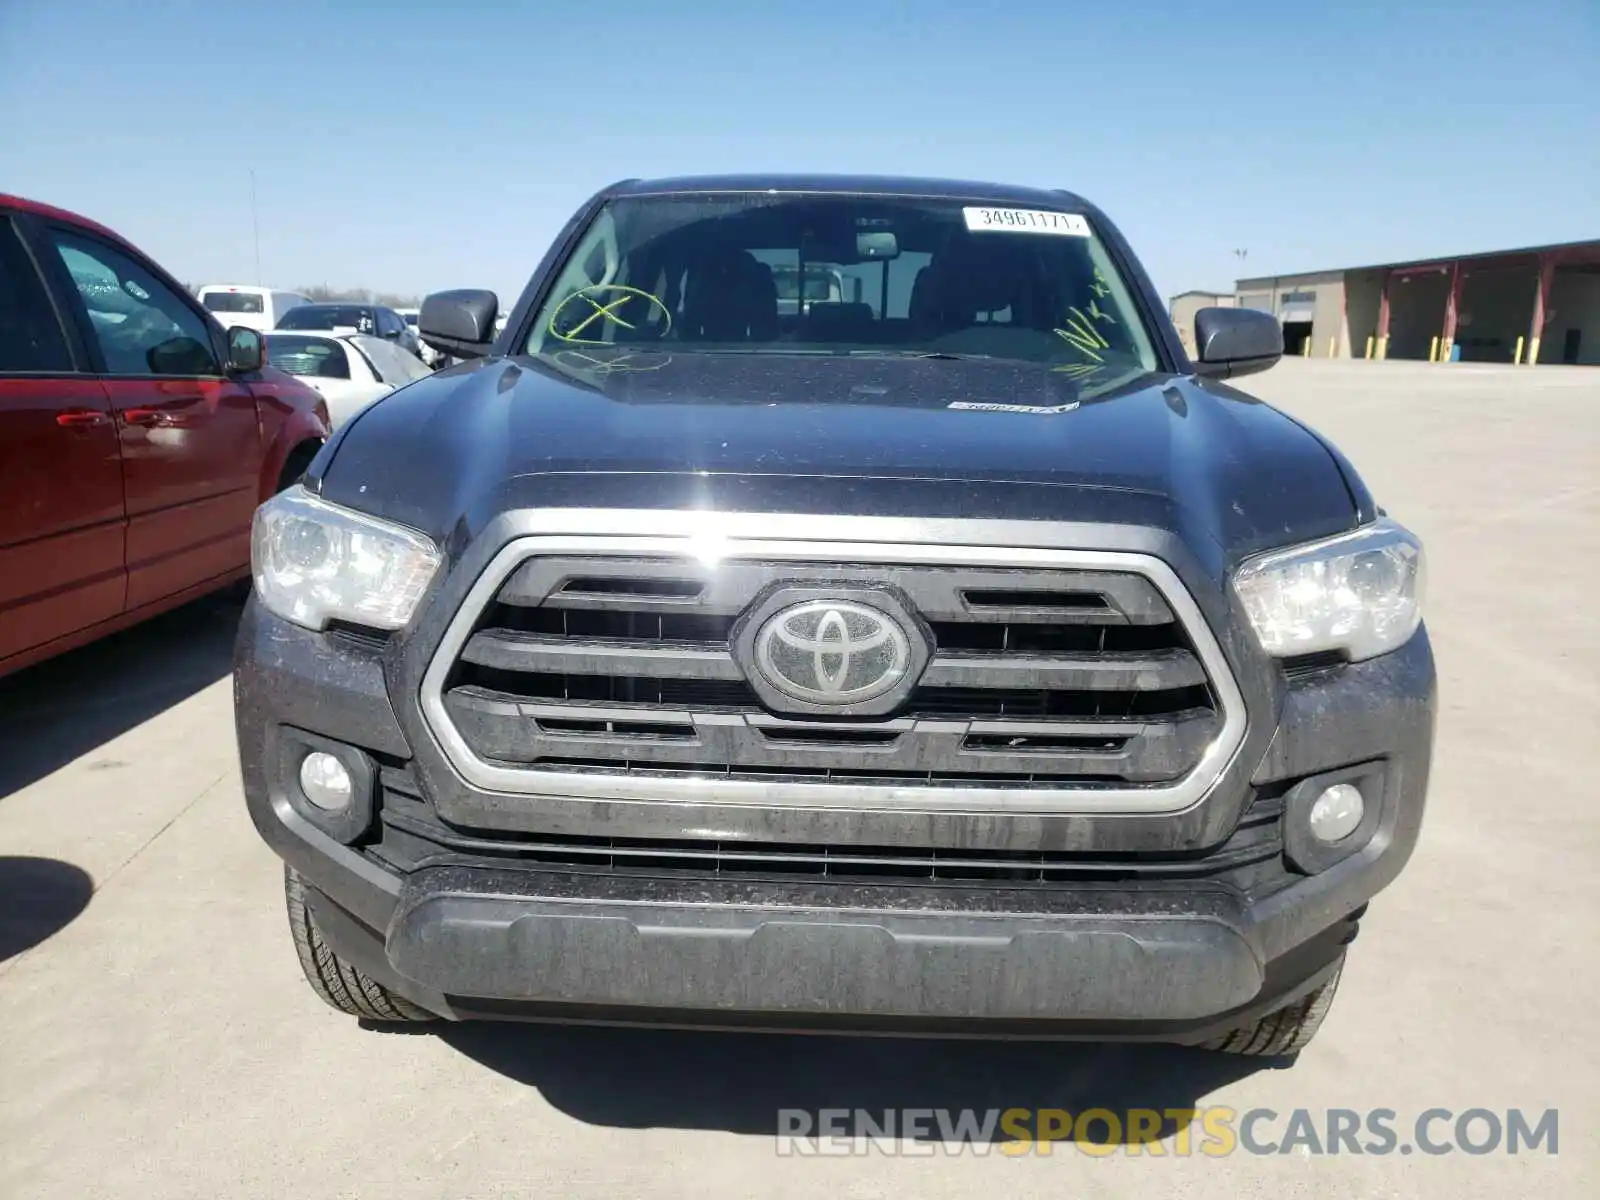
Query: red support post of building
x=1383 y=317
x=1541 y=304
x=1452 y=306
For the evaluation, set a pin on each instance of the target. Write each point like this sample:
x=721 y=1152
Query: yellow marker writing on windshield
x=1083 y=336
x=1100 y=314
x=604 y=312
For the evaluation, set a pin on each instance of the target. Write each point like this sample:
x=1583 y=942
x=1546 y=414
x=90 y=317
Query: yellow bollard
x=1533 y=351
x=1369 y=347
x=1383 y=347
x=1333 y=347
x=1516 y=359
x=1433 y=350
x=1305 y=347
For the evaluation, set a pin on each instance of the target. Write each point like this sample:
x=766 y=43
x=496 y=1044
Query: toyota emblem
x=832 y=652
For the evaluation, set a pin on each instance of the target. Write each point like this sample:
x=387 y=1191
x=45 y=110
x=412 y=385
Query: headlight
x=1359 y=592
x=315 y=562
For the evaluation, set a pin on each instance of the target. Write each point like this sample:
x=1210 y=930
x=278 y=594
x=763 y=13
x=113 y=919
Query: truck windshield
x=881 y=275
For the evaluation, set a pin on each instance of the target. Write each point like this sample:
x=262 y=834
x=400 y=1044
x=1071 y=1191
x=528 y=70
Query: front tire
x=1286 y=1031
x=340 y=984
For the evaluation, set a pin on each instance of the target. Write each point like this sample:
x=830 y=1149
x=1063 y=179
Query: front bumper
x=1169 y=958
x=538 y=938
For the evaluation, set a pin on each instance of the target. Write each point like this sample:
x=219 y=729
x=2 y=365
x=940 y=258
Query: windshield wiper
x=940 y=355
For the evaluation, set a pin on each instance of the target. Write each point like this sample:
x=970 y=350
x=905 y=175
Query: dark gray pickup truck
x=955 y=657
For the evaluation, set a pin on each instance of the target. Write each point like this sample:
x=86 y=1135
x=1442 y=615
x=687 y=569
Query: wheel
x=340 y=984
x=1287 y=1030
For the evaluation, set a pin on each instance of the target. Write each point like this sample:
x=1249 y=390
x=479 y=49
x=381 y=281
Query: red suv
x=137 y=436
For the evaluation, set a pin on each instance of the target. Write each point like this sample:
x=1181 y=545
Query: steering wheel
x=594 y=303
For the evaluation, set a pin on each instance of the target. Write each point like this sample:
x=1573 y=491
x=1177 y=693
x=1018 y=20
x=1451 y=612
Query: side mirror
x=1235 y=341
x=459 y=323
x=247 y=350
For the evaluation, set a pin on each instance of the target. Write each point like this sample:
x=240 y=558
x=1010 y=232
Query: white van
x=257 y=307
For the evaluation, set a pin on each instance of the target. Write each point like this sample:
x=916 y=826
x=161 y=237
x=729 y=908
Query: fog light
x=1336 y=813
x=327 y=784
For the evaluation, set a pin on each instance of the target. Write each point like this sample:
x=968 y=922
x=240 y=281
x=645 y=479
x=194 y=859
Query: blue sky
x=408 y=146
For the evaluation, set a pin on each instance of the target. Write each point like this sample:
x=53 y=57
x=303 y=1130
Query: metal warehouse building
x=1535 y=305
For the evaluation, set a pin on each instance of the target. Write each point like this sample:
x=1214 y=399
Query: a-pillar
x=1452 y=305
x=1383 y=317
x=1541 y=302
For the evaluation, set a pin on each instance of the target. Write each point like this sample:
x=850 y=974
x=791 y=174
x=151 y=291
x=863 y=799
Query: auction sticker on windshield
x=1025 y=220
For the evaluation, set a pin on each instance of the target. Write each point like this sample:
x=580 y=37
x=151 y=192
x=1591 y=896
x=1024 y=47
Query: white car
x=424 y=351
x=241 y=304
x=349 y=369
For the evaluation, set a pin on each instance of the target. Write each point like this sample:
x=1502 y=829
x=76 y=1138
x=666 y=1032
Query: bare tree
x=324 y=293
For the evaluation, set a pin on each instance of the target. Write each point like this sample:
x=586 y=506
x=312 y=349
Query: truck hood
x=876 y=435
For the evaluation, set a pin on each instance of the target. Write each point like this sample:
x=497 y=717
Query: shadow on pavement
x=65 y=707
x=38 y=898
x=738 y=1082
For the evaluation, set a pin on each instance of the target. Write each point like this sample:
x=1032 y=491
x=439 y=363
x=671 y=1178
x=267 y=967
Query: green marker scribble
x=1099 y=313
x=1082 y=336
x=1077 y=370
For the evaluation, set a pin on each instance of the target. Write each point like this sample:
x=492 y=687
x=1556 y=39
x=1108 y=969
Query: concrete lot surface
x=156 y=1038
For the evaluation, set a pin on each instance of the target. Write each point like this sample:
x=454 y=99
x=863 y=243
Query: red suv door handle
x=143 y=416
x=81 y=418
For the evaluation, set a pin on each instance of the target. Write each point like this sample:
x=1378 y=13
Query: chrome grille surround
x=869 y=551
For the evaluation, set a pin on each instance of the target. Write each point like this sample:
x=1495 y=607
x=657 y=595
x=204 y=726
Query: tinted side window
x=142 y=326
x=30 y=337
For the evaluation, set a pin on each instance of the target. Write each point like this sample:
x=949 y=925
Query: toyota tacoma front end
x=958 y=656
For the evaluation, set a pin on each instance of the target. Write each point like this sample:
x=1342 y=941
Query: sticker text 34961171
x=1025 y=220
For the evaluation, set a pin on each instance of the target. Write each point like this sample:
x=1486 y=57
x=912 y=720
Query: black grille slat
x=924 y=702
x=1041 y=652
x=663 y=658
x=621 y=585
x=1009 y=638
x=1165 y=671
x=1251 y=857
x=1043 y=743
x=1038 y=704
x=638 y=739
x=829 y=774
x=611 y=624
x=942 y=593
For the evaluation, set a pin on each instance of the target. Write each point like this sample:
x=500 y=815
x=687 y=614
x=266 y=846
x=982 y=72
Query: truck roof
x=876 y=185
